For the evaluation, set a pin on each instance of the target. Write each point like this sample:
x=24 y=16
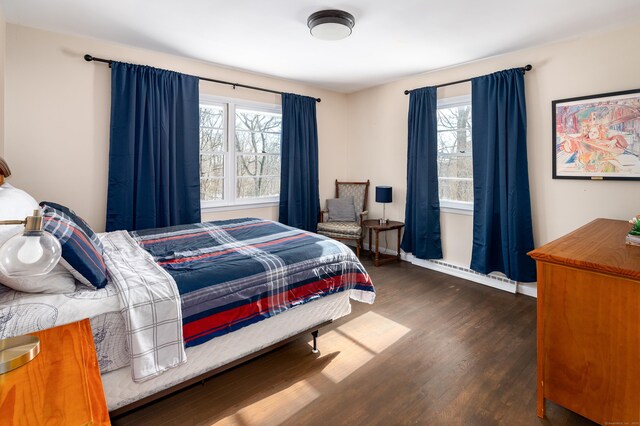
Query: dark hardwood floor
x=433 y=349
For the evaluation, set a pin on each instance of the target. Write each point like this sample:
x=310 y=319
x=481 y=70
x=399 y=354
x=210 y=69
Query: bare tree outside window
x=247 y=167
x=212 y=149
x=455 y=168
x=257 y=153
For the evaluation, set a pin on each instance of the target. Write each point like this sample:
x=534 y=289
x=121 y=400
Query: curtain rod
x=524 y=69
x=90 y=58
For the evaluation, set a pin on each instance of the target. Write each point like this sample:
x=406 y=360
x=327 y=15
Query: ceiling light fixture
x=331 y=24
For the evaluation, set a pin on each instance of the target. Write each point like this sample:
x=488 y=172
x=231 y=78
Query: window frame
x=230 y=201
x=224 y=152
x=454 y=206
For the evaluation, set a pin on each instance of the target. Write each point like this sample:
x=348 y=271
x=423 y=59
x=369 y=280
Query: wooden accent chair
x=348 y=230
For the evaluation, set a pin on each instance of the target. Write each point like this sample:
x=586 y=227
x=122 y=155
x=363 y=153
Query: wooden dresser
x=61 y=386
x=589 y=323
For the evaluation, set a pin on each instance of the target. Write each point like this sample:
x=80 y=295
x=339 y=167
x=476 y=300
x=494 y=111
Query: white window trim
x=239 y=206
x=456 y=207
x=231 y=202
x=453 y=101
x=453 y=206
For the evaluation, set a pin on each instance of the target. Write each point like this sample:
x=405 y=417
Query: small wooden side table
x=62 y=385
x=374 y=225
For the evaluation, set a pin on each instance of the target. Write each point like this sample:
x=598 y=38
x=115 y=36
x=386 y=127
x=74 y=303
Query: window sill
x=239 y=206
x=456 y=207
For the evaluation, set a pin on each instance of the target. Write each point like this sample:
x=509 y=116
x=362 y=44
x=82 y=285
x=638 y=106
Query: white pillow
x=15 y=203
x=59 y=280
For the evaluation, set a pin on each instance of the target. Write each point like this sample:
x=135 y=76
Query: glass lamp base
x=30 y=253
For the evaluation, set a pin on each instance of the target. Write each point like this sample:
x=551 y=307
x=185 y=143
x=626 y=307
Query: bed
x=183 y=302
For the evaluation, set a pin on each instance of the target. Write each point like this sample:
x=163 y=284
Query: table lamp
x=31 y=252
x=384 y=196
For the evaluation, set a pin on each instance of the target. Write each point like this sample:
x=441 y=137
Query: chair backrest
x=358 y=190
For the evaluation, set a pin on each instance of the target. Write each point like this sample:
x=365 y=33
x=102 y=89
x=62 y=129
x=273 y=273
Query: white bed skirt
x=120 y=390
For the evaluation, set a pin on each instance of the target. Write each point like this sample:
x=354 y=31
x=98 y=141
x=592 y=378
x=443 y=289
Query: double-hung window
x=455 y=168
x=239 y=152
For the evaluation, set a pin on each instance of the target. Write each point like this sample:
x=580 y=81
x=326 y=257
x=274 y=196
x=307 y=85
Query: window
x=455 y=169
x=212 y=152
x=246 y=171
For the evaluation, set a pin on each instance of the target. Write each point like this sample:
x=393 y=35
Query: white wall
x=598 y=63
x=58 y=106
x=3 y=49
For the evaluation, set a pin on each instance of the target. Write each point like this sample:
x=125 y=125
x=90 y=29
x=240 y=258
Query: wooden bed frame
x=202 y=377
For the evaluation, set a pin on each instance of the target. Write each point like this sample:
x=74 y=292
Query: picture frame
x=597 y=137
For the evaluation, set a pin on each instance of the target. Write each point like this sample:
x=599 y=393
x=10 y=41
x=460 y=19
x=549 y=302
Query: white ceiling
x=391 y=38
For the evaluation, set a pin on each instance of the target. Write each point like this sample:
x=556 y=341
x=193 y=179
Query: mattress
x=120 y=390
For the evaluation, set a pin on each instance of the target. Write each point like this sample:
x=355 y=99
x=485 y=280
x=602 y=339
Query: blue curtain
x=422 y=211
x=299 y=193
x=154 y=170
x=502 y=230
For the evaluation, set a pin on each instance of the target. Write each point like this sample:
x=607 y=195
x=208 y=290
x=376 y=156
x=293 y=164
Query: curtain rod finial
x=528 y=67
x=406 y=92
x=88 y=58
x=318 y=100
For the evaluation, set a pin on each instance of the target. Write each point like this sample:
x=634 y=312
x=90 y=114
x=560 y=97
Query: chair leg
x=358 y=244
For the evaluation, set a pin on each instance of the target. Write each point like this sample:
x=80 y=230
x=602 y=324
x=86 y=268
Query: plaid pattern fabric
x=82 y=224
x=150 y=306
x=234 y=273
x=80 y=255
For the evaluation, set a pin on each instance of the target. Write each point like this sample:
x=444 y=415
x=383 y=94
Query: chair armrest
x=362 y=217
x=322 y=213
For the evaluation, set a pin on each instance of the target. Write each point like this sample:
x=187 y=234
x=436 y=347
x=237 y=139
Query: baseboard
x=528 y=289
x=384 y=250
x=491 y=280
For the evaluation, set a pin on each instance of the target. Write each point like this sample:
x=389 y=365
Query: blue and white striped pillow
x=80 y=255
x=77 y=220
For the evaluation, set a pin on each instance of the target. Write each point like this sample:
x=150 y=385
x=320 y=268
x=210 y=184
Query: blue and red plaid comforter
x=234 y=273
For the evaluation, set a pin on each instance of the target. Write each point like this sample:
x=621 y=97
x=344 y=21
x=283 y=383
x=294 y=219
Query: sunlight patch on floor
x=351 y=356
x=275 y=408
x=357 y=342
x=374 y=331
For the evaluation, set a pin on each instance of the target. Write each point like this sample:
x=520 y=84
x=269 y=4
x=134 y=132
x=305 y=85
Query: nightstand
x=374 y=225
x=62 y=385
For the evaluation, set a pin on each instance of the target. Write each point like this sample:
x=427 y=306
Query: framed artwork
x=597 y=137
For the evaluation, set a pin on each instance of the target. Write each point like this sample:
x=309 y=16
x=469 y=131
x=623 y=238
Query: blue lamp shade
x=383 y=194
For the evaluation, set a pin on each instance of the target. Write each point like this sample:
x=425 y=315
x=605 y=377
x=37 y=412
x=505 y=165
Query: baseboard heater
x=491 y=280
